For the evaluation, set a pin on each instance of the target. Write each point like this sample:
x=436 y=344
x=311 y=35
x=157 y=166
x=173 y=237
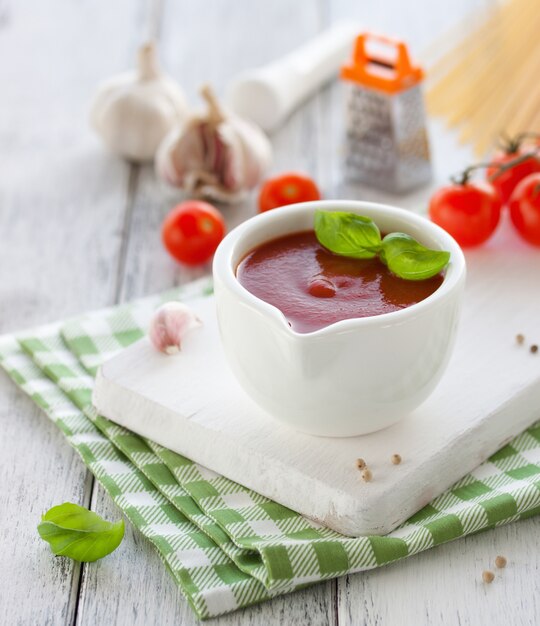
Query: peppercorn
x=360 y=463
x=520 y=339
x=488 y=576
x=500 y=562
x=396 y=459
x=367 y=475
x=534 y=348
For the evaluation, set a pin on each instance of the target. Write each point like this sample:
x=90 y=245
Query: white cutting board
x=191 y=403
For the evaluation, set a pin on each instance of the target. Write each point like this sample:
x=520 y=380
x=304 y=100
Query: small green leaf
x=348 y=234
x=408 y=259
x=79 y=534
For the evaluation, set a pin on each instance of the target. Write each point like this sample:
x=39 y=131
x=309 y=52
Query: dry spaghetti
x=487 y=85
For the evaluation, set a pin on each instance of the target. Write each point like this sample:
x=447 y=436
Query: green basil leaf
x=348 y=234
x=408 y=259
x=79 y=534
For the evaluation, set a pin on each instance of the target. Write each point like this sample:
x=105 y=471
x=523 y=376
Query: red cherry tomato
x=285 y=189
x=470 y=212
x=192 y=231
x=507 y=181
x=525 y=208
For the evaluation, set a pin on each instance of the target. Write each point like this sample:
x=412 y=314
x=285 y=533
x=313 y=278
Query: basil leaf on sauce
x=347 y=234
x=408 y=259
x=82 y=535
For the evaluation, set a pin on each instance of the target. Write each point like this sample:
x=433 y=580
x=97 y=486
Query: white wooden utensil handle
x=267 y=95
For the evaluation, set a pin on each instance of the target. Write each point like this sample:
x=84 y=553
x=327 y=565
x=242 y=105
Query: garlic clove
x=133 y=112
x=217 y=155
x=170 y=323
x=255 y=168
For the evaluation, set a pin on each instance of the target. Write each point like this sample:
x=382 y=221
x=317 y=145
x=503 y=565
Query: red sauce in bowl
x=315 y=288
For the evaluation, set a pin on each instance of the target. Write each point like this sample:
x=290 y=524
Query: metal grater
x=386 y=143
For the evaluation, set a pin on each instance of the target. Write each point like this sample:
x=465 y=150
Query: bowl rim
x=224 y=269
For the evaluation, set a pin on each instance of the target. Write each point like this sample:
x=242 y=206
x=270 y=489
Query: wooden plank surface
x=62 y=203
x=72 y=215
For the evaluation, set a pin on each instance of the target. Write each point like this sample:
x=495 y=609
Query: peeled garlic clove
x=133 y=112
x=218 y=155
x=170 y=323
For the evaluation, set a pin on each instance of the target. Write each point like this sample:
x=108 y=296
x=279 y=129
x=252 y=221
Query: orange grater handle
x=390 y=73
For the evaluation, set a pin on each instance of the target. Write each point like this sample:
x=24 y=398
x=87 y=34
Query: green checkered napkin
x=226 y=546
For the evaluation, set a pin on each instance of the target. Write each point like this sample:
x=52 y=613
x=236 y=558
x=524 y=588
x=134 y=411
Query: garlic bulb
x=170 y=324
x=218 y=156
x=134 y=111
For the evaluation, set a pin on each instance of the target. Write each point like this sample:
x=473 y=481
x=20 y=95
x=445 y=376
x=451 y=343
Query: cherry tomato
x=506 y=182
x=285 y=189
x=191 y=232
x=525 y=208
x=470 y=212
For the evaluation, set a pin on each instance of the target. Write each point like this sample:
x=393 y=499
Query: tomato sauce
x=315 y=288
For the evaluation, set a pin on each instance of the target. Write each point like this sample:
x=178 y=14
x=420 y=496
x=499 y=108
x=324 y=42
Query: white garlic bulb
x=170 y=323
x=218 y=156
x=133 y=112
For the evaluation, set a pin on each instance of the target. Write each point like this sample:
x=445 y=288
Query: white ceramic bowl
x=354 y=376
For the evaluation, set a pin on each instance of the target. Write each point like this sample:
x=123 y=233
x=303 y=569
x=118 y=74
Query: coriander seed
x=396 y=459
x=520 y=338
x=500 y=562
x=360 y=463
x=488 y=576
x=367 y=475
x=534 y=349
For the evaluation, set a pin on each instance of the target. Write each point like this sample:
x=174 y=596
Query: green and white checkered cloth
x=226 y=546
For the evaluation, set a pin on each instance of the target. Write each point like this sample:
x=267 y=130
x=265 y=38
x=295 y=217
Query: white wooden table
x=80 y=229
